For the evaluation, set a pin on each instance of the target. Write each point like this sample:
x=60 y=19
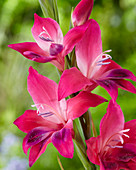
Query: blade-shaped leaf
x=50 y=9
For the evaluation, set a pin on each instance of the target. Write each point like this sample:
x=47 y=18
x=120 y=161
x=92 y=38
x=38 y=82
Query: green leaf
x=82 y=156
x=50 y=9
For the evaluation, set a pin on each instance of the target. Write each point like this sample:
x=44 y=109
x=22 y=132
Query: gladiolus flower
x=50 y=45
x=115 y=148
x=82 y=12
x=53 y=119
x=96 y=68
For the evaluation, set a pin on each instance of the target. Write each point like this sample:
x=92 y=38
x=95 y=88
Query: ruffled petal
x=79 y=104
x=71 y=81
x=32 y=51
x=88 y=50
x=45 y=31
x=62 y=140
x=82 y=12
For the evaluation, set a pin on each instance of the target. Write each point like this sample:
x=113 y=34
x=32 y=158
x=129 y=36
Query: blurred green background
x=117 y=19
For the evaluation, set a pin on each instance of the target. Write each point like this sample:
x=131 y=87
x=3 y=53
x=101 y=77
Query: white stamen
x=115 y=146
x=43 y=38
x=126 y=135
x=125 y=130
x=107 y=56
x=107 y=51
x=104 y=59
x=51 y=112
x=117 y=139
x=45 y=31
x=121 y=139
x=33 y=105
x=36 y=105
x=45 y=114
x=103 y=63
x=44 y=28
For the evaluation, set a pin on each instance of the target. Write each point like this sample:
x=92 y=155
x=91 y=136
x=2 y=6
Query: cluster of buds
x=83 y=66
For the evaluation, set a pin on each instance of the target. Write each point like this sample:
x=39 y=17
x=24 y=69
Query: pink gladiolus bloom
x=50 y=45
x=96 y=68
x=115 y=148
x=82 y=12
x=52 y=121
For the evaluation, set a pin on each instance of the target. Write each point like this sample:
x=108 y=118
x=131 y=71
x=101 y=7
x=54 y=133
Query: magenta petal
x=62 y=140
x=78 y=105
x=126 y=85
x=126 y=153
x=92 y=149
x=114 y=116
x=73 y=37
x=110 y=86
x=130 y=165
x=120 y=74
x=88 y=49
x=34 y=137
x=30 y=120
x=45 y=31
x=32 y=51
x=43 y=90
x=36 y=57
x=71 y=81
x=55 y=49
x=105 y=68
x=109 y=165
x=37 y=150
x=82 y=12
x=132 y=133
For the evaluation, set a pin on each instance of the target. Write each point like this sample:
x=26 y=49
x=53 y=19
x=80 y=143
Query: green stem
x=81 y=150
x=85 y=121
x=83 y=158
x=68 y=61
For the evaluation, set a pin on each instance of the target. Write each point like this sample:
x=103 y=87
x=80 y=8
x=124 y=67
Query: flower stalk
x=85 y=121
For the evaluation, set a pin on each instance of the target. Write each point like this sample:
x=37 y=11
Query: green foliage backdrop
x=117 y=19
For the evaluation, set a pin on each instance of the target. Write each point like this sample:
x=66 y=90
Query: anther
x=45 y=114
x=104 y=59
x=48 y=39
x=114 y=146
x=103 y=63
x=107 y=56
x=45 y=39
